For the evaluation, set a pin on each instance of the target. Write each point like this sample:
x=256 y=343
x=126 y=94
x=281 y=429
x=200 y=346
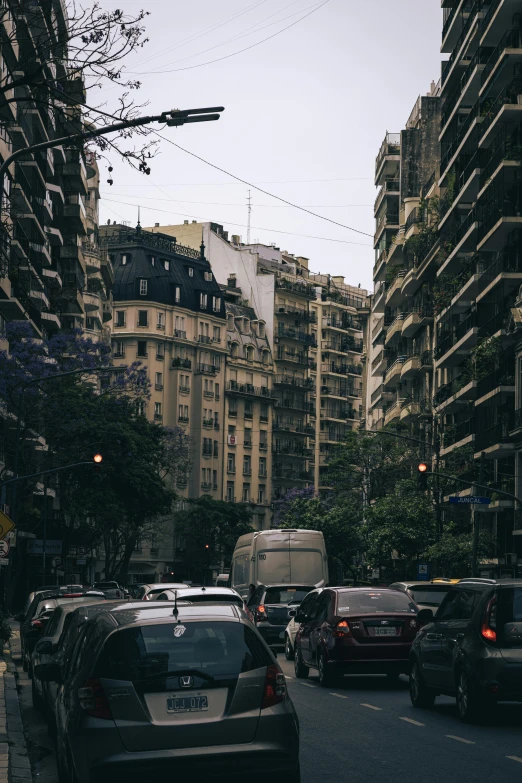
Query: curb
x=15 y=766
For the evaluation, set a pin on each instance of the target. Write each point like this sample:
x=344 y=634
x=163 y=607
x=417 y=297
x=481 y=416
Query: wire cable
x=236 y=204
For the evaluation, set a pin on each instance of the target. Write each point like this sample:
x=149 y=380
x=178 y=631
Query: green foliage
x=5 y=627
x=391 y=274
x=453 y=553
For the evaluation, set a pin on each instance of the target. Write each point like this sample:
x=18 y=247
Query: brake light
x=71 y=595
x=261 y=613
x=37 y=624
x=145 y=598
x=342 y=629
x=487 y=630
x=275 y=687
x=94 y=701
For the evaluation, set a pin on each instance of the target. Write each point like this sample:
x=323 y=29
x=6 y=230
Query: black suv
x=271 y=606
x=471 y=649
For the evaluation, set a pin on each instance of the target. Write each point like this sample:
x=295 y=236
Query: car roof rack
x=478 y=579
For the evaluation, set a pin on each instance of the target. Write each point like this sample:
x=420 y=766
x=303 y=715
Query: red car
x=357 y=630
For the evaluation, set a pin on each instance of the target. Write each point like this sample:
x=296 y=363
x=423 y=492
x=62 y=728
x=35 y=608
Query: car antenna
x=175 y=610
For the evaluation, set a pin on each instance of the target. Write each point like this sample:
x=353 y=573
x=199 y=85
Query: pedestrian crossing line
x=339 y=695
x=460 y=739
x=371 y=707
x=515 y=758
x=414 y=722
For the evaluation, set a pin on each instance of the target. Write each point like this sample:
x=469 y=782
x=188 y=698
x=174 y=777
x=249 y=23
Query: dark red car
x=357 y=630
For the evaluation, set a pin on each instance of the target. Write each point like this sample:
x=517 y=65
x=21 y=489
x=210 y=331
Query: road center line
x=307 y=685
x=515 y=758
x=339 y=695
x=371 y=707
x=460 y=739
x=415 y=722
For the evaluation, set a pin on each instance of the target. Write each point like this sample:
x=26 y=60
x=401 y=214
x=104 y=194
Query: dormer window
x=203 y=301
x=190 y=272
x=261 y=327
x=230 y=322
x=143 y=287
x=246 y=326
x=177 y=295
x=166 y=265
x=208 y=276
x=125 y=259
x=153 y=260
x=216 y=304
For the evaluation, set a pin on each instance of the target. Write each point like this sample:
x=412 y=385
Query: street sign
x=423 y=572
x=81 y=561
x=56 y=561
x=6 y=524
x=52 y=547
x=4 y=548
x=470 y=501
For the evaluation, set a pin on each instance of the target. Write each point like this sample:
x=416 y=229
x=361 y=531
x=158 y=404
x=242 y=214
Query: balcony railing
x=295 y=334
x=299 y=358
x=386 y=221
x=509 y=261
x=290 y=380
x=207 y=369
x=512 y=39
x=248 y=389
x=389 y=186
x=205 y=339
x=456 y=334
x=498 y=433
x=185 y=363
x=180 y=333
x=301 y=289
x=297 y=312
x=503 y=198
x=491 y=107
x=417 y=215
x=456 y=432
x=480 y=57
x=473 y=10
x=502 y=376
x=390 y=146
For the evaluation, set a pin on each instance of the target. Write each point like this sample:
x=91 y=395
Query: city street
x=367 y=729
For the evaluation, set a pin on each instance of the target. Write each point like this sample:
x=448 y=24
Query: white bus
x=279 y=557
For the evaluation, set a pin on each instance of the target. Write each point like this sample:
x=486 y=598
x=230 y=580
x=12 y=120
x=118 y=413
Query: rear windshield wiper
x=177 y=673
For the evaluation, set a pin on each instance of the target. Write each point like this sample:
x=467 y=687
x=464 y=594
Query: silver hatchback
x=191 y=692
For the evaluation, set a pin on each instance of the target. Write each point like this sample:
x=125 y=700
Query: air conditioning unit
x=232 y=440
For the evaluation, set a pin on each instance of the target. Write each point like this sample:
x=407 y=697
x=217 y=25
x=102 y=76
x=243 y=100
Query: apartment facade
x=314 y=331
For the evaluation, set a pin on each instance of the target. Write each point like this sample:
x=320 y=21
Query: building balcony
x=455 y=16
x=392 y=375
x=344 y=322
x=500 y=210
x=178 y=363
x=287 y=332
x=300 y=289
x=379 y=297
x=380 y=361
x=248 y=390
x=500 y=110
x=390 y=189
x=415 y=320
x=495 y=442
x=410 y=367
x=392 y=412
x=456 y=435
x=307 y=316
x=468 y=86
x=387 y=222
x=380 y=264
x=410 y=282
x=91 y=301
x=453 y=347
x=394 y=292
x=394 y=330
x=206 y=369
x=388 y=159
x=291 y=380
x=341 y=369
x=500 y=381
x=292 y=450
x=506 y=270
x=454 y=395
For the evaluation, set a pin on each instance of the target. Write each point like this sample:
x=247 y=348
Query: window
x=143 y=317
x=157 y=410
x=234 y=350
x=140 y=408
x=230 y=322
x=152 y=260
x=263 y=439
x=262 y=466
x=180 y=323
x=246 y=493
x=160 y=351
x=247 y=465
x=216 y=304
x=143 y=287
x=261 y=328
x=206 y=477
x=248 y=409
x=216 y=334
x=190 y=272
x=183 y=413
x=261 y=494
x=230 y=491
x=125 y=259
x=214 y=479
x=248 y=437
x=207 y=447
x=215 y=361
x=177 y=295
x=231 y=463
x=231 y=429
x=264 y=412
x=465 y=605
x=142 y=348
x=119 y=348
x=161 y=321
x=203 y=301
x=216 y=420
x=208 y=276
x=447 y=607
x=120 y=318
x=216 y=391
x=159 y=381
x=166 y=265
x=216 y=448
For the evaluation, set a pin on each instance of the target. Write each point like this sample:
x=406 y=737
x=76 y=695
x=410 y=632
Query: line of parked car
x=179 y=679
x=461 y=638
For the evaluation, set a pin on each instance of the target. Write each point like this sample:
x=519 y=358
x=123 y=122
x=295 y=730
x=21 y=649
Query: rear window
x=218 y=649
x=106 y=586
x=286 y=595
x=431 y=596
x=79 y=599
x=366 y=602
x=215 y=598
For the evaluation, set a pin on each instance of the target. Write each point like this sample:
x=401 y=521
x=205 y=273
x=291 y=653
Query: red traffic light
x=206 y=546
x=98 y=459
x=422 y=467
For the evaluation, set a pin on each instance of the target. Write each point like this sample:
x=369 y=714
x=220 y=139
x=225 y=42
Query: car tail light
x=94 y=701
x=275 y=687
x=487 y=630
x=342 y=629
x=261 y=613
x=145 y=598
x=37 y=624
x=72 y=595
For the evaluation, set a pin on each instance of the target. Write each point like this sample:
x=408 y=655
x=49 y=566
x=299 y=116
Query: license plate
x=385 y=632
x=187 y=704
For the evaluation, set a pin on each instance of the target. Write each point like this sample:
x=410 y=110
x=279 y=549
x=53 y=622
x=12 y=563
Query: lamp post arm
x=45 y=472
x=474 y=483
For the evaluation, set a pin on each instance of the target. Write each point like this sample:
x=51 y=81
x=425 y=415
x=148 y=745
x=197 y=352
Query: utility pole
x=44 y=515
x=249 y=202
x=476 y=525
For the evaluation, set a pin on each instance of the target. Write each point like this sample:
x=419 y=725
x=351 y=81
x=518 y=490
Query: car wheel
x=327 y=678
x=301 y=669
x=420 y=694
x=289 y=652
x=36 y=698
x=472 y=706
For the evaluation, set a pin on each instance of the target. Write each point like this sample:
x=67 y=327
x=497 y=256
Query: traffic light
x=422 y=477
x=97 y=460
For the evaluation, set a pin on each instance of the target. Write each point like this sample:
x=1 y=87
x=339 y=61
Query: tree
x=453 y=552
x=210 y=529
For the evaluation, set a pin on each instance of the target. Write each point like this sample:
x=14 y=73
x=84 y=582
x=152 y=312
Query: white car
x=290 y=634
x=205 y=595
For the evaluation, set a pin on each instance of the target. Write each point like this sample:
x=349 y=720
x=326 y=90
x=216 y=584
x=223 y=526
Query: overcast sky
x=305 y=115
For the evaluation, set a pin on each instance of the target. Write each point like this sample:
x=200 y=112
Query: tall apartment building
x=314 y=331
x=447 y=280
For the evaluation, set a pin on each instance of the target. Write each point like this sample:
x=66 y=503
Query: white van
x=279 y=557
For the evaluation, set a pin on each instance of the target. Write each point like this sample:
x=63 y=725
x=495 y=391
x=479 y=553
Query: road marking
x=515 y=758
x=307 y=685
x=339 y=695
x=460 y=739
x=371 y=707
x=288 y=677
x=415 y=722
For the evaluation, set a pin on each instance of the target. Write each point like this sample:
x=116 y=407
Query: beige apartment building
x=314 y=330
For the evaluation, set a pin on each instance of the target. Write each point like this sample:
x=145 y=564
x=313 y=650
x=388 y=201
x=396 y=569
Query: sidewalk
x=15 y=766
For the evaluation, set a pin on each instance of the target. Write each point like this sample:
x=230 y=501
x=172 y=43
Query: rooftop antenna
x=249 y=202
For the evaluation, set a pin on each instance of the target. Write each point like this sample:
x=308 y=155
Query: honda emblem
x=186 y=681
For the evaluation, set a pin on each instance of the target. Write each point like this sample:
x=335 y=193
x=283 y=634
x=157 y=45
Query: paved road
x=366 y=730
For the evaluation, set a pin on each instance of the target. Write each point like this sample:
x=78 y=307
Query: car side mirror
x=292 y=613
x=44 y=647
x=48 y=672
x=273 y=650
x=424 y=617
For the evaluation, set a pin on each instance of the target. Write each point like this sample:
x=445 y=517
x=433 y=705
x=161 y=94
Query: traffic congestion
x=206 y=681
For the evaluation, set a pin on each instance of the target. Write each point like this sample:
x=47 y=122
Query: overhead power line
x=237 y=204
